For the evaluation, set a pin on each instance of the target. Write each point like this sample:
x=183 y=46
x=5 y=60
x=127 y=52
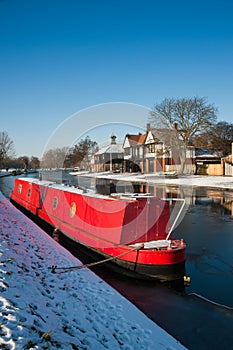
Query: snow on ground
x=222 y=182
x=5 y=173
x=74 y=310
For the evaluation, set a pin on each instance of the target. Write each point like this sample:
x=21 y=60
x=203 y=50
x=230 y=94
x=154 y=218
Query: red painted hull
x=109 y=226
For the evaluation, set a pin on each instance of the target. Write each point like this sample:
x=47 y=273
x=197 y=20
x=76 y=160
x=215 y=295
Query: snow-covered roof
x=112 y=148
x=205 y=153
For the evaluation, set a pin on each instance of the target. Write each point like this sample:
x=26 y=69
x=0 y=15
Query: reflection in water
x=209 y=238
x=220 y=202
x=211 y=265
x=207 y=229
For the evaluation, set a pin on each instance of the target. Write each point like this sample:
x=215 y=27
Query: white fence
x=228 y=169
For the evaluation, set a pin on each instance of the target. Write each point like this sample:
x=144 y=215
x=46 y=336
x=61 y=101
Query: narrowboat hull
x=131 y=231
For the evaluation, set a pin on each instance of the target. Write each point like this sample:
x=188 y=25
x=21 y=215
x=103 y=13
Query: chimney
x=175 y=125
x=113 y=139
x=148 y=127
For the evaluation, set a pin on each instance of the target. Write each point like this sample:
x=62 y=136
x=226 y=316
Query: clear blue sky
x=58 y=57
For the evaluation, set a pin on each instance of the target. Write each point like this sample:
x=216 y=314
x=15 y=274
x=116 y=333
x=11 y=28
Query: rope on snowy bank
x=79 y=267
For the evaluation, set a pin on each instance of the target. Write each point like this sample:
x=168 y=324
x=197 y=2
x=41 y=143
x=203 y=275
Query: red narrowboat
x=132 y=229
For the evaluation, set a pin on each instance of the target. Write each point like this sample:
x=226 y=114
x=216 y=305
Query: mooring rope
x=79 y=267
x=211 y=301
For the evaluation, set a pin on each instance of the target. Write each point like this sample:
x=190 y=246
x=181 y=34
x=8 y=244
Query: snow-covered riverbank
x=75 y=310
x=5 y=173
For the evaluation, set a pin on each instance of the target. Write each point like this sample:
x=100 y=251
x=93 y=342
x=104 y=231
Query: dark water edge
x=197 y=323
x=188 y=318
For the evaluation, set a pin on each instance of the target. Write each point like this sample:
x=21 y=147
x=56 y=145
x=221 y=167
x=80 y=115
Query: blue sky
x=58 y=57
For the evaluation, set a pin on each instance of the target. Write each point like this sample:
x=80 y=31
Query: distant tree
x=219 y=138
x=191 y=116
x=6 y=147
x=202 y=140
x=8 y=163
x=34 y=162
x=78 y=155
x=24 y=160
x=82 y=152
x=54 y=158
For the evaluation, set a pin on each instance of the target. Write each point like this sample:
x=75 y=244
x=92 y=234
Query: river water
x=200 y=316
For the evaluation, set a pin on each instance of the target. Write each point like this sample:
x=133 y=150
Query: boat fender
x=187 y=280
x=56 y=234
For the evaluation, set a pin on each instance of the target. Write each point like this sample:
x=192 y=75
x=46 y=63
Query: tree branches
x=6 y=146
x=193 y=115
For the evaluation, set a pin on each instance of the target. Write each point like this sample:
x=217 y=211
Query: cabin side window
x=72 y=209
x=20 y=188
x=55 y=202
x=29 y=192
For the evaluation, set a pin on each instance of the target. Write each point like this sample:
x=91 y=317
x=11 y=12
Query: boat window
x=72 y=209
x=29 y=192
x=20 y=188
x=55 y=201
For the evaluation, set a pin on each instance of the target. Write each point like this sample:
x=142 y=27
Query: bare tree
x=6 y=146
x=35 y=162
x=190 y=116
x=25 y=161
x=193 y=115
x=218 y=139
x=54 y=158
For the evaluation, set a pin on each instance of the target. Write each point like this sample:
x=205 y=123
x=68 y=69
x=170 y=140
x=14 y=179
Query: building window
x=127 y=151
x=55 y=201
x=140 y=151
x=151 y=148
x=72 y=209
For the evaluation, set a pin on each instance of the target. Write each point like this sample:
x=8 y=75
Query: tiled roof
x=136 y=139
